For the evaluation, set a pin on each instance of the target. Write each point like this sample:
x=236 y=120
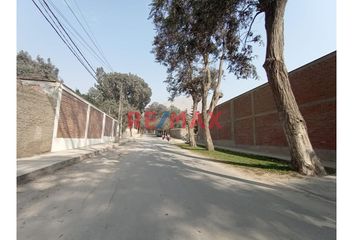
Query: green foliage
x=159 y=109
x=112 y=88
x=38 y=68
x=198 y=34
x=156 y=107
x=136 y=92
x=242 y=160
x=193 y=32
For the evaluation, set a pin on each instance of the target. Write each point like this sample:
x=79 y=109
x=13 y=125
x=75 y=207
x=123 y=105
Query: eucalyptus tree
x=210 y=26
x=188 y=80
x=204 y=33
x=303 y=156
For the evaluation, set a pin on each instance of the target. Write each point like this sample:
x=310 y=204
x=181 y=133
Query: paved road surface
x=150 y=189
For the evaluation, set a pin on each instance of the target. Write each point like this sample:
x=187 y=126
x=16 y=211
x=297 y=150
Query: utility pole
x=120 y=124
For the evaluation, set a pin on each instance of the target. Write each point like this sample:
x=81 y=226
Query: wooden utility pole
x=120 y=112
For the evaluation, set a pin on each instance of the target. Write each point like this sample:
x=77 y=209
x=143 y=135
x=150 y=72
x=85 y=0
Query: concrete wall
x=51 y=117
x=250 y=121
x=179 y=133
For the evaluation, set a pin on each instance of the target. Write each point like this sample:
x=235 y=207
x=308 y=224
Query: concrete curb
x=27 y=177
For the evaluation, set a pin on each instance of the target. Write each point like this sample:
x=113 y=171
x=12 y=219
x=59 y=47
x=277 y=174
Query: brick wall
x=35 y=117
x=95 y=124
x=72 y=120
x=47 y=107
x=251 y=119
x=108 y=127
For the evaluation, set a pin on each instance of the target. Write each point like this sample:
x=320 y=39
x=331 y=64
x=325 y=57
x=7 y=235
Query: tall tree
x=186 y=82
x=114 y=88
x=203 y=33
x=210 y=27
x=136 y=92
x=303 y=156
x=156 y=107
x=156 y=111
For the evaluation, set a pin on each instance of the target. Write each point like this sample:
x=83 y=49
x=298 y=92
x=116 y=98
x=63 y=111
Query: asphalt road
x=150 y=189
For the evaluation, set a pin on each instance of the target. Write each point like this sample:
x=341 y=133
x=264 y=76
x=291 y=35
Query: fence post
x=103 y=127
x=87 y=123
x=253 y=119
x=232 y=118
x=57 y=115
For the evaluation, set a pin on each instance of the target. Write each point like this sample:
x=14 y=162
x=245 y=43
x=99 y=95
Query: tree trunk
x=207 y=136
x=205 y=117
x=303 y=157
x=216 y=94
x=192 y=141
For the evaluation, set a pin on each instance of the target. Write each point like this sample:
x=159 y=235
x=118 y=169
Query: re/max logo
x=151 y=121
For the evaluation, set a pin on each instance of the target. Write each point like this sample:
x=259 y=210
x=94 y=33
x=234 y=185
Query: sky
x=125 y=34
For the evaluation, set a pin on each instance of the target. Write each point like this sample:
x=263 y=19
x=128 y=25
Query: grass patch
x=241 y=159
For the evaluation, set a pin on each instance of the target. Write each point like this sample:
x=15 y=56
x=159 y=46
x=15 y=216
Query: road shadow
x=147 y=193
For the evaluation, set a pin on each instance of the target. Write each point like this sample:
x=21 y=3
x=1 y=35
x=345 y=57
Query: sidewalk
x=30 y=168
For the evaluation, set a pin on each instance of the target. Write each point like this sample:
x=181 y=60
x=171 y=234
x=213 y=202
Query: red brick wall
x=224 y=133
x=225 y=112
x=108 y=127
x=72 y=120
x=225 y=120
x=315 y=82
x=255 y=119
x=321 y=124
x=263 y=100
x=242 y=106
x=243 y=132
x=95 y=124
x=269 y=131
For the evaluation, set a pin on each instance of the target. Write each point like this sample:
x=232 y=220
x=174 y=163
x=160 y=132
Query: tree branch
x=249 y=29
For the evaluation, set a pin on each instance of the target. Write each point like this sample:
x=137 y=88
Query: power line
x=64 y=39
x=90 y=31
x=53 y=21
x=65 y=42
x=69 y=36
x=98 y=47
x=79 y=37
x=90 y=37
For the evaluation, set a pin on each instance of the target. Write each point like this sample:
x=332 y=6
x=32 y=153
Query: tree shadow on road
x=153 y=194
